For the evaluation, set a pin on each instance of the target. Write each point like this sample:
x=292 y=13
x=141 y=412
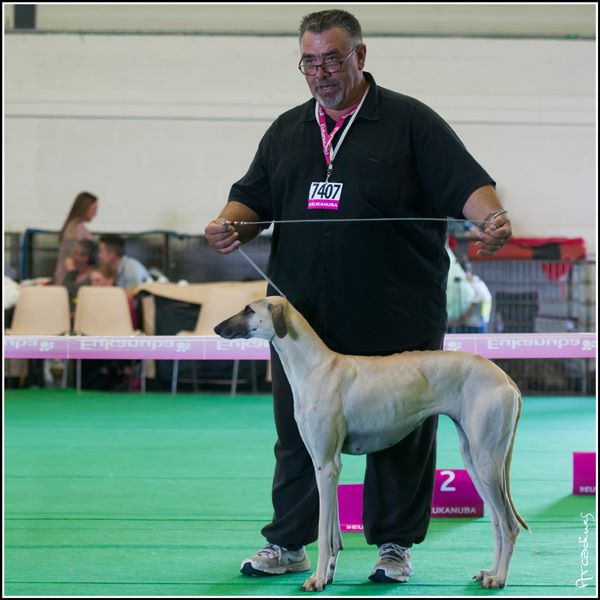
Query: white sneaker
x=393 y=566
x=275 y=560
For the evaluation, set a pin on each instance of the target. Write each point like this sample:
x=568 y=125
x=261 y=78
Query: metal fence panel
x=529 y=296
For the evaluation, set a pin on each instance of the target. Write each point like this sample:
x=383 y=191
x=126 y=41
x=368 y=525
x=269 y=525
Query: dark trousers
x=398 y=487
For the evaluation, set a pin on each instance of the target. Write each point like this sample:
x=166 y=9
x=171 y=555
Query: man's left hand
x=494 y=236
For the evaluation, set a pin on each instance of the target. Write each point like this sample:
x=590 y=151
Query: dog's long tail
x=509 y=458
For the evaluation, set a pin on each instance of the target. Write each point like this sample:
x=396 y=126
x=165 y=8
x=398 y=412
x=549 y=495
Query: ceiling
x=482 y=20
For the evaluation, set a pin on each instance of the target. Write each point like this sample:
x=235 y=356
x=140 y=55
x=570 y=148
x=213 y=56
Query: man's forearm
x=226 y=238
x=481 y=203
x=236 y=211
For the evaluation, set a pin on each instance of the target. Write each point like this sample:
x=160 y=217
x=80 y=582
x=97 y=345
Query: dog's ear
x=279 y=324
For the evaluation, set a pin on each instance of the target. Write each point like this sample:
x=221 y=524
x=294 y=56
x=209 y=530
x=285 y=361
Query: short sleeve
x=447 y=171
x=254 y=189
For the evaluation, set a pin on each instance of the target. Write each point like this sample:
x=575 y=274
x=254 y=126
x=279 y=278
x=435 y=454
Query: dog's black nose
x=229 y=330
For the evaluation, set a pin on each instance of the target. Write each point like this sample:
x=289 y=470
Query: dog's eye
x=248 y=311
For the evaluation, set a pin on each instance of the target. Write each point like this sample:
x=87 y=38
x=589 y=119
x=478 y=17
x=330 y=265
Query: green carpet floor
x=154 y=495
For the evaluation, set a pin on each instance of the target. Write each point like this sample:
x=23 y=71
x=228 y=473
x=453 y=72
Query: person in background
x=129 y=272
x=102 y=274
x=10 y=295
x=459 y=291
x=112 y=375
x=85 y=257
x=476 y=318
x=83 y=210
x=357 y=151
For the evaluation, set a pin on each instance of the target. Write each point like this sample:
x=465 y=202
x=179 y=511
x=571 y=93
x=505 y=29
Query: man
x=367 y=287
x=129 y=272
x=476 y=317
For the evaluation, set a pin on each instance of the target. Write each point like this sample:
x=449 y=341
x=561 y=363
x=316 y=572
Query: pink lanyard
x=327 y=138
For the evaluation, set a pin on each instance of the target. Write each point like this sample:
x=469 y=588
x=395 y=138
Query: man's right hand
x=226 y=238
x=223 y=238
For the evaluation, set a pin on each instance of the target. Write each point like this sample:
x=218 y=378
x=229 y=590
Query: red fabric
x=556 y=271
x=536 y=248
x=522 y=241
x=571 y=250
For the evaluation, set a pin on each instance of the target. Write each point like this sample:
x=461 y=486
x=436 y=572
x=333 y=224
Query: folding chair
x=42 y=310
x=103 y=311
x=222 y=300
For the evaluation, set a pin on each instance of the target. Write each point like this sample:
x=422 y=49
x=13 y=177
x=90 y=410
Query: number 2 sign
x=454 y=495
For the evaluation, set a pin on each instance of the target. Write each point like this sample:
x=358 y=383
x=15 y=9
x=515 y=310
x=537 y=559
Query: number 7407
x=325 y=191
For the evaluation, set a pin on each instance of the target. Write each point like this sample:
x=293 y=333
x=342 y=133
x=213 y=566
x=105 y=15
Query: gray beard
x=331 y=101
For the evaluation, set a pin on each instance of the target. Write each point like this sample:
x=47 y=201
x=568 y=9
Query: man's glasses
x=331 y=65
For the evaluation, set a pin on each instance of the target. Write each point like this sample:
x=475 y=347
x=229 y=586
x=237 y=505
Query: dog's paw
x=493 y=582
x=314 y=584
x=482 y=575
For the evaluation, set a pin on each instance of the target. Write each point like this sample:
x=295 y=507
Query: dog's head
x=264 y=318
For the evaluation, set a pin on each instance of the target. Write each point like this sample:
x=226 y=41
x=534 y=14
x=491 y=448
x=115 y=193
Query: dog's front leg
x=329 y=538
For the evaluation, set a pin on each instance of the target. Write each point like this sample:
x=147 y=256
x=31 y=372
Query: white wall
x=160 y=126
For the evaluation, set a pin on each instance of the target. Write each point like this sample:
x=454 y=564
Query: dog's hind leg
x=489 y=467
x=498 y=454
x=487 y=431
x=468 y=461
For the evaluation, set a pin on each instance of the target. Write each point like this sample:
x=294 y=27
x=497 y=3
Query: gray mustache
x=326 y=82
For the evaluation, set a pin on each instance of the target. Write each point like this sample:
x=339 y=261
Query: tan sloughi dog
x=359 y=404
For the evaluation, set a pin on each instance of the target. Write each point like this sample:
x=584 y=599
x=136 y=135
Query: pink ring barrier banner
x=212 y=347
x=584 y=473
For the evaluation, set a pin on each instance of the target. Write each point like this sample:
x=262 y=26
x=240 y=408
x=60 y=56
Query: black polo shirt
x=373 y=287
